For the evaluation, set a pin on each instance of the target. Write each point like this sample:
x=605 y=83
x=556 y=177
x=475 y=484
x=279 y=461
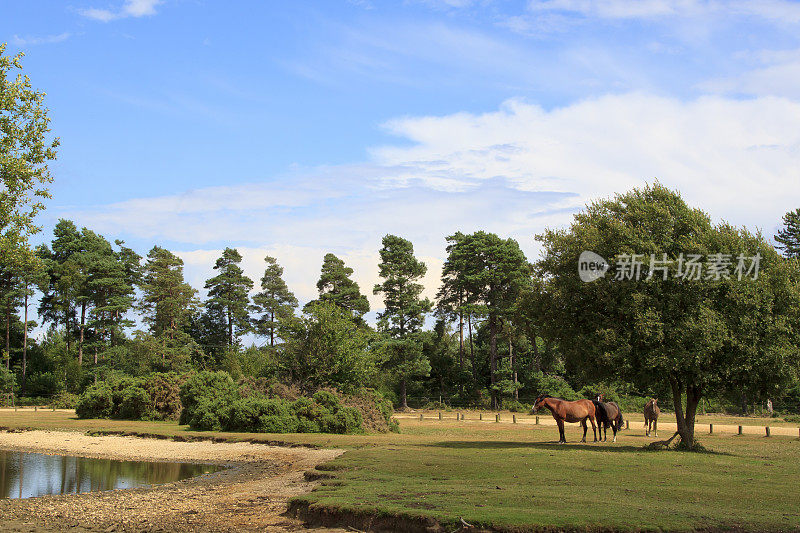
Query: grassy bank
x=516 y=477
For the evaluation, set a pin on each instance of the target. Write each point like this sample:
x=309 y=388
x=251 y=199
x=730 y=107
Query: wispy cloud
x=30 y=40
x=130 y=8
x=776 y=73
x=513 y=171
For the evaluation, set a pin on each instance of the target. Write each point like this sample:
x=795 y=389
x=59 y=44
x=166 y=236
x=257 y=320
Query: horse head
x=537 y=404
x=599 y=397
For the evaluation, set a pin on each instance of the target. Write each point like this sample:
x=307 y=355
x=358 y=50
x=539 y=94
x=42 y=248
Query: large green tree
x=788 y=237
x=24 y=155
x=274 y=301
x=228 y=295
x=694 y=330
x=336 y=286
x=167 y=300
x=404 y=310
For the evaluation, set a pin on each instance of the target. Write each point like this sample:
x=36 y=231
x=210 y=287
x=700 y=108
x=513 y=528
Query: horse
x=609 y=414
x=566 y=411
x=651 y=412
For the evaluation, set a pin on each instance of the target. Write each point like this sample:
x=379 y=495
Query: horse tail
x=619 y=420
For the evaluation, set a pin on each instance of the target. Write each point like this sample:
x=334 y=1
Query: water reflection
x=27 y=475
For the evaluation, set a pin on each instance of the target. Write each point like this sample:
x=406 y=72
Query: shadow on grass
x=553 y=445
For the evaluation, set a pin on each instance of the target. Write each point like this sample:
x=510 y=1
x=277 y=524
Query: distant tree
x=24 y=155
x=696 y=336
x=788 y=237
x=404 y=310
x=274 y=301
x=335 y=286
x=167 y=300
x=228 y=295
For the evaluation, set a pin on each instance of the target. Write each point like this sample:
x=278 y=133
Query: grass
x=516 y=477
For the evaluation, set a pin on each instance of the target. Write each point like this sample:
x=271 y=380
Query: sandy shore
x=250 y=495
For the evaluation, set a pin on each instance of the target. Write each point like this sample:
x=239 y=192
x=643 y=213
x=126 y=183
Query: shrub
x=516 y=407
x=96 y=402
x=65 y=400
x=165 y=395
x=208 y=386
x=135 y=404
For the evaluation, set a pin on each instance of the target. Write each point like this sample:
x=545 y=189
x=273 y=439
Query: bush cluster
x=155 y=397
x=213 y=402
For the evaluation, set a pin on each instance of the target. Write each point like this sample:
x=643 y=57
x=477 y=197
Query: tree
x=167 y=300
x=228 y=295
x=404 y=310
x=24 y=155
x=335 y=286
x=788 y=237
x=667 y=329
x=486 y=273
x=274 y=301
x=326 y=347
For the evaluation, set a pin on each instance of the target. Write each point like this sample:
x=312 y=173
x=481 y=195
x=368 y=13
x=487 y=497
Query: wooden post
x=421 y=416
x=480 y=416
x=537 y=420
x=35 y=408
x=767 y=428
x=497 y=417
x=740 y=430
x=440 y=415
x=627 y=424
x=711 y=429
x=514 y=418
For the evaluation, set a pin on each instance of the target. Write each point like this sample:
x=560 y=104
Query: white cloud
x=513 y=171
x=777 y=74
x=130 y=8
x=776 y=10
x=46 y=39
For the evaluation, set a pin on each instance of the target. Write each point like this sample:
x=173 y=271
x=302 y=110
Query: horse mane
x=601 y=413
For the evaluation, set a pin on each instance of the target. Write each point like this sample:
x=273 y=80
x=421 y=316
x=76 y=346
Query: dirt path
x=250 y=495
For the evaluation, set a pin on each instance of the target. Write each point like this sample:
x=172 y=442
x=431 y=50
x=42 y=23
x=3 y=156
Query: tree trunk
x=461 y=340
x=25 y=343
x=685 y=419
x=493 y=358
x=80 y=341
x=536 y=362
x=8 y=334
x=513 y=368
x=403 y=399
x=472 y=349
x=230 y=329
x=272 y=329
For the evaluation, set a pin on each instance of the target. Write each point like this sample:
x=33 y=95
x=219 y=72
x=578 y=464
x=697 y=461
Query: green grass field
x=516 y=477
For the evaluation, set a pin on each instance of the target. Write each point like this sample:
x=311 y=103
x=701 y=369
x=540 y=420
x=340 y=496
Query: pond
x=27 y=475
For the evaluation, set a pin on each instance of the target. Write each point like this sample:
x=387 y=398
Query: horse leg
x=561 y=438
x=646 y=428
x=585 y=429
x=655 y=427
x=614 y=429
x=595 y=431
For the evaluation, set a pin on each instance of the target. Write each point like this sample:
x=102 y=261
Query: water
x=27 y=475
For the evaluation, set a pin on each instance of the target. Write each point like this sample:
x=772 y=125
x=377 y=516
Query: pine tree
x=404 y=312
x=167 y=299
x=788 y=237
x=228 y=297
x=274 y=301
x=335 y=286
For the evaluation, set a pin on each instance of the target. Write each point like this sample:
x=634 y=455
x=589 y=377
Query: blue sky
x=297 y=128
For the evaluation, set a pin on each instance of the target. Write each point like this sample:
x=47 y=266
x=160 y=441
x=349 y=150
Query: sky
x=299 y=128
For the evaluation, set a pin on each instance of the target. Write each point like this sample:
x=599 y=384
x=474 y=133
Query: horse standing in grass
x=609 y=414
x=566 y=411
x=651 y=412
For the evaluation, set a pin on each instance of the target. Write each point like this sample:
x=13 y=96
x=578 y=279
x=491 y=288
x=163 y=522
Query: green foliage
x=326 y=348
x=788 y=237
x=228 y=296
x=8 y=381
x=135 y=404
x=274 y=302
x=96 y=402
x=65 y=400
x=167 y=300
x=207 y=388
x=336 y=287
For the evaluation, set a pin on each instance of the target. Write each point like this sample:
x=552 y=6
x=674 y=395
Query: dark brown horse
x=651 y=412
x=566 y=411
x=609 y=414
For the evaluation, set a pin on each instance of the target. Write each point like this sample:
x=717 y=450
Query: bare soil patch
x=252 y=494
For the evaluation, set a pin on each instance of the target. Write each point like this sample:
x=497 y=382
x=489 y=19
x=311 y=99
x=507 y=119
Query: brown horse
x=566 y=411
x=651 y=412
x=609 y=414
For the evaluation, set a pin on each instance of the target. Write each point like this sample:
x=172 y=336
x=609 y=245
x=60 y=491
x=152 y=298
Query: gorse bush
x=155 y=397
x=212 y=402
